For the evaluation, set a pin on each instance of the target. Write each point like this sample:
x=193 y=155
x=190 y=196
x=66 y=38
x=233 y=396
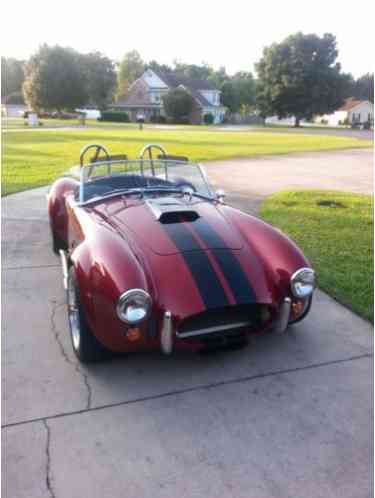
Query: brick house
x=145 y=96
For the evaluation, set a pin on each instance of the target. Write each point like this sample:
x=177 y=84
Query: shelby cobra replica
x=152 y=258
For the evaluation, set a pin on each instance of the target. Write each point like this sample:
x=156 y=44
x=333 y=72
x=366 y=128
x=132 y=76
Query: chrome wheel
x=73 y=314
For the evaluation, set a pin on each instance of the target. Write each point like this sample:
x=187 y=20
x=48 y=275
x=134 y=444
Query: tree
x=12 y=76
x=219 y=77
x=300 y=77
x=364 y=87
x=230 y=97
x=54 y=79
x=162 y=68
x=100 y=78
x=244 y=85
x=193 y=70
x=131 y=67
x=178 y=104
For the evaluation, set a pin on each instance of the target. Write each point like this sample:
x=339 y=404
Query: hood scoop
x=171 y=210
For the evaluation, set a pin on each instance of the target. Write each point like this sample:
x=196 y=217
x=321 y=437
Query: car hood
x=169 y=225
x=198 y=250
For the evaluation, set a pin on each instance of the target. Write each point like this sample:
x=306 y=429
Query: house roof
x=350 y=104
x=138 y=97
x=175 y=79
x=199 y=98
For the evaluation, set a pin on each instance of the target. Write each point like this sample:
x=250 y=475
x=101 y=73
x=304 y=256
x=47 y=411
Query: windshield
x=103 y=179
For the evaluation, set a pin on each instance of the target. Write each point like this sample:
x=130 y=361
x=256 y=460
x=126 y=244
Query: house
x=352 y=111
x=145 y=96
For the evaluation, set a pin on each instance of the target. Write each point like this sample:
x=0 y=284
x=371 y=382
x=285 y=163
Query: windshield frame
x=137 y=166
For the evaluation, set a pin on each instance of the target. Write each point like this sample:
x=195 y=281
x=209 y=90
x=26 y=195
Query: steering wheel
x=98 y=149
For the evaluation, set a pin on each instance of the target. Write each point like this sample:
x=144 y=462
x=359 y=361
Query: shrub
x=158 y=119
x=115 y=116
x=183 y=120
x=208 y=118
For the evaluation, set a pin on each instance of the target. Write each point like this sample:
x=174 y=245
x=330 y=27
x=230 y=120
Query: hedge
x=115 y=116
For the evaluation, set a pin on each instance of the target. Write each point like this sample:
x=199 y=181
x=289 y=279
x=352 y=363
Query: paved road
x=249 y=181
x=304 y=130
x=289 y=416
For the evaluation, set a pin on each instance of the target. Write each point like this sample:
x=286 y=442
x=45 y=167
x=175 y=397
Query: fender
x=56 y=206
x=105 y=268
x=280 y=255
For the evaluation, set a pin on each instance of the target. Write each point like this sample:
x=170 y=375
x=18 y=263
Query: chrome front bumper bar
x=283 y=318
x=64 y=265
x=166 y=339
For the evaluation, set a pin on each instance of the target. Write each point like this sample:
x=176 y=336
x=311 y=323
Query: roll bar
x=148 y=148
x=98 y=148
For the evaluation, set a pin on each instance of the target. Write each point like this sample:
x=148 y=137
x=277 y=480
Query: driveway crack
x=48 y=460
x=64 y=354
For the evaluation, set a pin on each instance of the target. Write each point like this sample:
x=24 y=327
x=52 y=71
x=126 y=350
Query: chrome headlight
x=133 y=306
x=302 y=283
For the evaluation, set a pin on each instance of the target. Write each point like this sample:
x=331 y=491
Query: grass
x=335 y=231
x=32 y=158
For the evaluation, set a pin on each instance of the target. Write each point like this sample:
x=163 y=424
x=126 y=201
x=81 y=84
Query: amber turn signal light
x=133 y=334
x=297 y=307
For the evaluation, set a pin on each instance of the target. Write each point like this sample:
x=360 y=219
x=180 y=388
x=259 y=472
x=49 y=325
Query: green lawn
x=335 y=231
x=33 y=158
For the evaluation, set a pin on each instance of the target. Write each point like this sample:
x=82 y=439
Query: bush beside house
x=115 y=116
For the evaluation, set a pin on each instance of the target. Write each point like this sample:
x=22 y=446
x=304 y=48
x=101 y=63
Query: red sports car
x=152 y=258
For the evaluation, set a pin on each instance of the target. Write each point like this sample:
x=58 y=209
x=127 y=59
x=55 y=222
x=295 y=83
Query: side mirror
x=220 y=196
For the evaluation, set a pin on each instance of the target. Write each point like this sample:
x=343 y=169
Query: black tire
x=85 y=345
x=56 y=242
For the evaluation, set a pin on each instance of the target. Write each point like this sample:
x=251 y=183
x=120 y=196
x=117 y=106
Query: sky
x=231 y=33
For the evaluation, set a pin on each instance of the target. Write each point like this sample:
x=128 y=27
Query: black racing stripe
x=207 y=282
x=235 y=276
x=229 y=264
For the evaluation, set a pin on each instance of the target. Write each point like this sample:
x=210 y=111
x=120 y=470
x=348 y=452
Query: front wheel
x=85 y=345
x=57 y=242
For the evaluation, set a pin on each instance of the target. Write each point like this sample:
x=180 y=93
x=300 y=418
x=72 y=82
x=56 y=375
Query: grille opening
x=224 y=320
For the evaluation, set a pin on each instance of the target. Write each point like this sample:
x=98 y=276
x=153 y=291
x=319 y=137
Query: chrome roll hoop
x=148 y=149
x=95 y=158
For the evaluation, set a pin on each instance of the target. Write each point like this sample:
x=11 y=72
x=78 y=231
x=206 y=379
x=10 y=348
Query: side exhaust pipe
x=166 y=339
x=64 y=266
x=284 y=314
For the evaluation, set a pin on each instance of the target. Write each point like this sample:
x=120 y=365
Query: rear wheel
x=85 y=345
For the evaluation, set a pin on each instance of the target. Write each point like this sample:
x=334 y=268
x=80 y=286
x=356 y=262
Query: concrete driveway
x=288 y=416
